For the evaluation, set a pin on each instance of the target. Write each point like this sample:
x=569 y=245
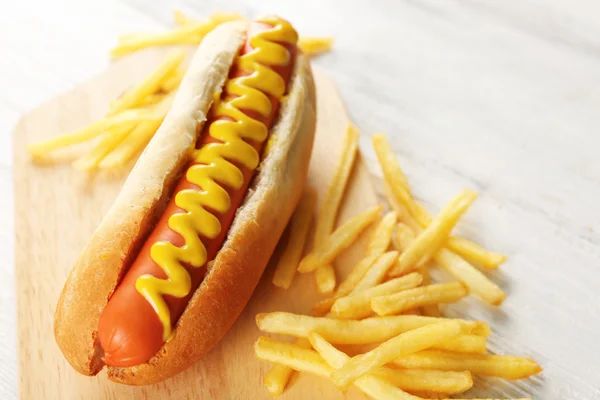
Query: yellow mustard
x=212 y=170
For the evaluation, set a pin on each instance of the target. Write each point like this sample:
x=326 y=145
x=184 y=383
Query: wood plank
x=57 y=209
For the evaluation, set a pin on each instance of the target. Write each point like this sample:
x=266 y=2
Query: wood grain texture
x=57 y=210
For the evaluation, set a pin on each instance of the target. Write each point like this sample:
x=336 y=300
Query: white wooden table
x=500 y=96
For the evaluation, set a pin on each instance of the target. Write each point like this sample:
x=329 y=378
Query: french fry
x=189 y=33
x=323 y=306
x=393 y=174
x=368 y=330
x=328 y=211
x=371 y=385
x=152 y=99
x=404 y=344
x=430 y=310
x=489 y=398
x=507 y=367
x=108 y=143
x=291 y=355
x=279 y=375
x=172 y=82
x=357 y=306
x=470 y=276
x=380 y=241
x=460 y=269
x=447 y=382
x=434 y=236
x=382 y=235
x=475 y=252
x=93 y=130
x=181 y=19
x=339 y=240
x=138 y=138
x=418 y=297
x=315 y=45
x=299 y=226
x=414 y=214
x=465 y=344
x=136 y=95
x=377 y=272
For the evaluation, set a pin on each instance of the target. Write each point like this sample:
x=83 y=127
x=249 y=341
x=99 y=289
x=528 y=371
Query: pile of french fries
x=387 y=308
x=135 y=116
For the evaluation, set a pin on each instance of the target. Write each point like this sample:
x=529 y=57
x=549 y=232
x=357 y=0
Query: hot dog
x=179 y=253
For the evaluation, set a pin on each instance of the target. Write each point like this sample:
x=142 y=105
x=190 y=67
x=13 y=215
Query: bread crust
x=253 y=235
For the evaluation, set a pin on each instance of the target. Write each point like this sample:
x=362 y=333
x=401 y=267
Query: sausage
x=130 y=331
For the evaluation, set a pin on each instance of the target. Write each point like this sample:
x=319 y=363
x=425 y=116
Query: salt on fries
x=298 y=232
x=404 y=344
x=328 y=211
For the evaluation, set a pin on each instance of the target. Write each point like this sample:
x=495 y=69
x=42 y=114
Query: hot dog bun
x=239 y=264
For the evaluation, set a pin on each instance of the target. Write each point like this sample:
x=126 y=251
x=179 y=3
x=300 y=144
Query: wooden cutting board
x=57 y=208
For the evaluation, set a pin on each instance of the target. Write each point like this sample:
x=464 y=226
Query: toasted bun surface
x=253 y=235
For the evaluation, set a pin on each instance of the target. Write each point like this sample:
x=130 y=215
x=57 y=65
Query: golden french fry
x=291 y=355
x=465 y=344
x=475 y=252
x=380 y=241
x=138 y=138
x=323 y=306
x=151 y=100
x=377 y=272
x=460 y=269
x=108 y=143
x=434 y=236
x=172 y=82
x=325 y=278
x=328 y=211
x=339 y=240
x=470 y=276
x=414 y=214
x=393 y=174
x=93 y=130
x=136 y=95
x=357 y=306
x=279 y=375
x=447 y=382
x=430 y=310
x=382 y=235
x=181 y=19
x=371 y=385
x=299 y=226
x=368 y=330
x=404 y=344
x=315 y=45
x=418 y=297
x=507 y=367
x=189 y=33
